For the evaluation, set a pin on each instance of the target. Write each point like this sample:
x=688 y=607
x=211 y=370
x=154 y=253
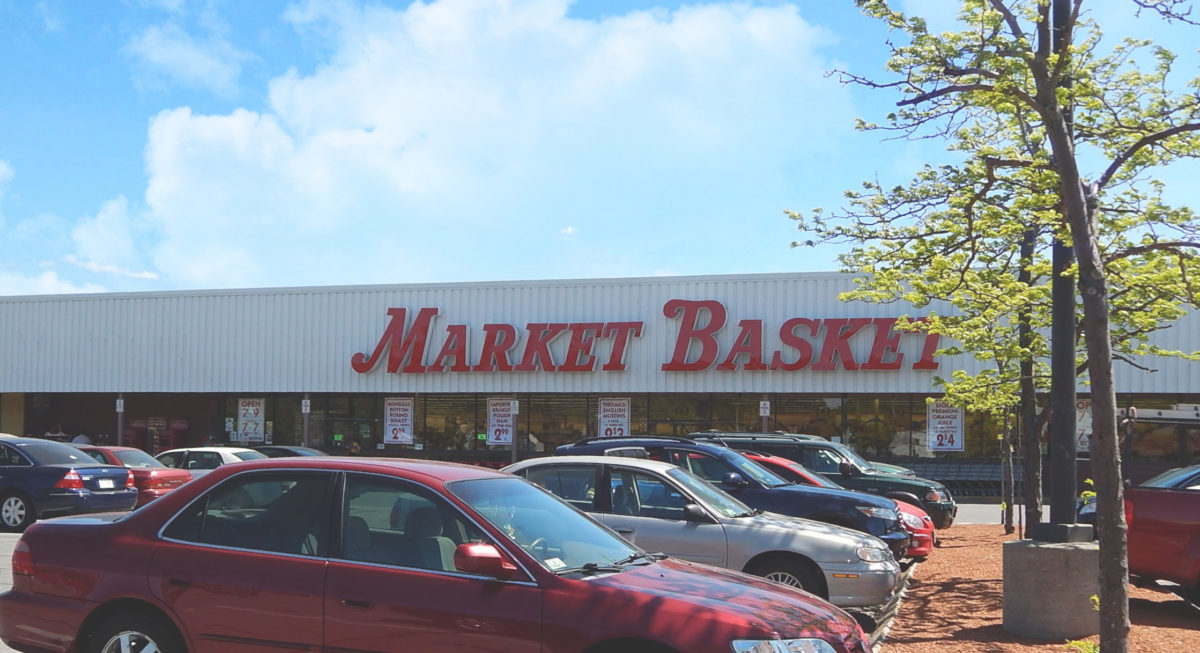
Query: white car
x=202 y=460
x=666 y=508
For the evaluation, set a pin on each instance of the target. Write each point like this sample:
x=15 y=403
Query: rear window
x=137 y=458
x=249 y=455
x=54 y=453
x=1170 y=478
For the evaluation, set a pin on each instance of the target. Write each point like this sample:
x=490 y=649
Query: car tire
x=792 y=572
x=134 y=631
x=17 y=512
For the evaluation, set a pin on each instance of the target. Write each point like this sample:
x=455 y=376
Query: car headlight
x=806 y=645
x=934 y=496
x=882 y=513
x=873 y=554
x=912 y=521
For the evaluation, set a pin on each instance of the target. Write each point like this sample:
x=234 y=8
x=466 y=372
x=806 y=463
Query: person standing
x=82 y=438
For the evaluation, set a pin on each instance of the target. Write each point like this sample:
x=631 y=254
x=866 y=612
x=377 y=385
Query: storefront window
x=555 y=419
x=451 y=422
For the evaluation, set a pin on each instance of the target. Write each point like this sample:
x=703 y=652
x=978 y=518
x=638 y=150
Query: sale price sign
x=945 y=425
x=397 y=420
x=614 y=418
x=500 y=421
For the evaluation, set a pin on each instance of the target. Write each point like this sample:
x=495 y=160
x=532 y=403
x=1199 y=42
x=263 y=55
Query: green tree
x=1023 y=120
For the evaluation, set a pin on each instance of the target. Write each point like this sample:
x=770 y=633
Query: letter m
x=400 y=346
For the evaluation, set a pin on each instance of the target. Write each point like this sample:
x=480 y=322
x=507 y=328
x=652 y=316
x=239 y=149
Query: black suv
x=842 y=465
x=760 y=488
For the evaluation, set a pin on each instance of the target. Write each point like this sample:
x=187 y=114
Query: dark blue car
x=43 y=478
x=760 y=488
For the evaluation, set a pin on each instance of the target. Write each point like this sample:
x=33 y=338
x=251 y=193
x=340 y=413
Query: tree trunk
x=1030 y=427
x=1006 y=478
x=1079 y=205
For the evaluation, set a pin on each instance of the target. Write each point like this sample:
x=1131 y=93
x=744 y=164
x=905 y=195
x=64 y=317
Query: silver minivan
x=665 y=508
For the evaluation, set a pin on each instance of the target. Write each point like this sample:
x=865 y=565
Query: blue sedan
x=43 y=478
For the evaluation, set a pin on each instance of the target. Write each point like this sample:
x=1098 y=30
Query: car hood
x=768 y=607
x=834 y=494
x=808 y=529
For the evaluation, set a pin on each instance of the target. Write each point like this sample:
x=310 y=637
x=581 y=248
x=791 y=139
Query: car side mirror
x=483 y=559
x=694 y=513
x=734 y=480
x=847 y=469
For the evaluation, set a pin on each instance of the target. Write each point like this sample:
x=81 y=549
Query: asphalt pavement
x=968 y=513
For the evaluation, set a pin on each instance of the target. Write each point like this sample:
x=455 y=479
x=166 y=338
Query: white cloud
x=169 y=51
x=46 y=283
x=436 y=131
x=570 y=232
x=51 y=20
x=106 y=242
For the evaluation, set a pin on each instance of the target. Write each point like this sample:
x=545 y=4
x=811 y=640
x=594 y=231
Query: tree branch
x=1145 y=141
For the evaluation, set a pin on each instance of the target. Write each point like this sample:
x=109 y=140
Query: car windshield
x=249 y=455
x=858 y=460
x=701 y=489
x=793 y=470
x=136 y=458
x=561 y=538
x=751 y=469
x=1170 y=478
x=55 y=453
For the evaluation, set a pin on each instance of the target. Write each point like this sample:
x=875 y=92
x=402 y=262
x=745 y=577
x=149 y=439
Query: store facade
x=434 y=369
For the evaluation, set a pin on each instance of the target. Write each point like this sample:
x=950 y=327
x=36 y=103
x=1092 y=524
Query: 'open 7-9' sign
x=251 y=417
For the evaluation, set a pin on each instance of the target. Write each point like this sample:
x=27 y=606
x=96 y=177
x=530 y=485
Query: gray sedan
x=666 y=508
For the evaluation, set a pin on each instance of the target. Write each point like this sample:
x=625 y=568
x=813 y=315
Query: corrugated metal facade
x=302 y=339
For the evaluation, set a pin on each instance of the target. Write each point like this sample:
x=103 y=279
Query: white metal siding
x=302 y=339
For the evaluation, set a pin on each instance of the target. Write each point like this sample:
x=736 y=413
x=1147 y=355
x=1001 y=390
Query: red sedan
x=914 y=519
x=309 y=559
x=153 y=479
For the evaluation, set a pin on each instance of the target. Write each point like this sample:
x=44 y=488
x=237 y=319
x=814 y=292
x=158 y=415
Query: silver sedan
x=666 y=508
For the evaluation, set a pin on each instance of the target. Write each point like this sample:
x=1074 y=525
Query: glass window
x=644 y=495
x=820 y=460
x=559 y=537
x=203 y=460
x=10 y=458
x=394 y=522
x=131 y=458
x=171 y=459
x=573 y=483
x=99 y=457
x=282 y=512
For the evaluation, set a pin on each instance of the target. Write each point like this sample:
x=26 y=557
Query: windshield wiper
x=750 y=513
x=589 y=568
x=641 y=555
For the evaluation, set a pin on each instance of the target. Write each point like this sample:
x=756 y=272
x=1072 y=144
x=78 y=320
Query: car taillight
x=22 y=560
x=130 y=483
x=1128 y=514
x=71 y=481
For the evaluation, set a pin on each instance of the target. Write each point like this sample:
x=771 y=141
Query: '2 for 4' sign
x=945 y=425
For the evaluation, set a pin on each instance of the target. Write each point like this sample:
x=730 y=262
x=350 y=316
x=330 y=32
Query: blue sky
x=172 y=144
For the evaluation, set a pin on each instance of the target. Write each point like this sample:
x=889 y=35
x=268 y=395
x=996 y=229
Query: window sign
x=251 y=423
x=398 y=420
x=500 y=421
x=614 y=418
x=1083 y=425
x=945 y=424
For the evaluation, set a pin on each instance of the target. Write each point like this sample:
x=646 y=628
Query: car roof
x=624 y=461
x=430 y=469
x=216 y=449
x=109 y=447
x=759 y=437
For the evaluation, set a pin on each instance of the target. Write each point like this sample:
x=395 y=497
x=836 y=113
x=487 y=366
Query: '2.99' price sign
x=945 y=426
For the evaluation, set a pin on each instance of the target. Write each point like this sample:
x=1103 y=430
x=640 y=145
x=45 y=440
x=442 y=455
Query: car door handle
x=356 y=603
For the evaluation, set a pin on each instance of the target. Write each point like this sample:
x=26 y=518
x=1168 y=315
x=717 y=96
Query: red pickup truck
x=1163 y=514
